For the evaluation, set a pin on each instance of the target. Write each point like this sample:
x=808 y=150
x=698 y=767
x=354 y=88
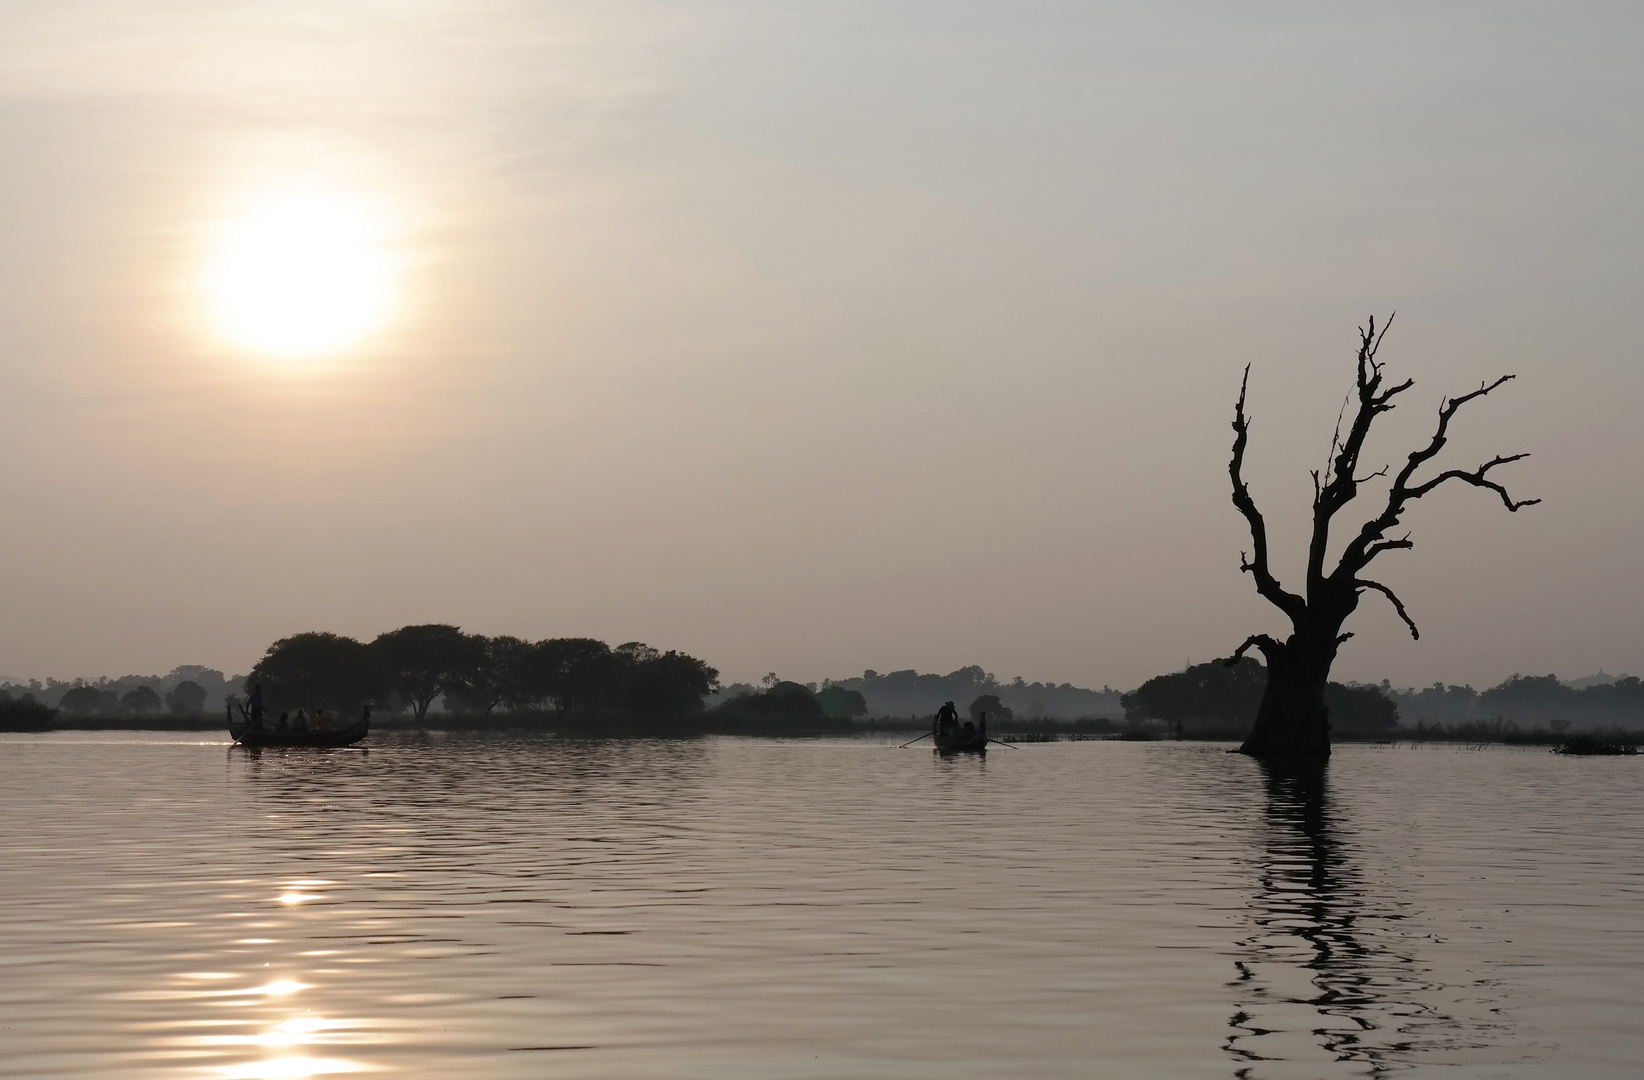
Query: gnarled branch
x=1269 y=646
x=1369 y=543
x=1398 y=605
x=1403 y=543
x=1477 y=478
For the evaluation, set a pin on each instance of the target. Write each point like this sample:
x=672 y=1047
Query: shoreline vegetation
x=437 y=677
x=1611 y=741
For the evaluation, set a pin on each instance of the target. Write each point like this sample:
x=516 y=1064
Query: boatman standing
x=254 y=705
x=947 y=718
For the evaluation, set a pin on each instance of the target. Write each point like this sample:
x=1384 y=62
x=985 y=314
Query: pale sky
x=807 y=337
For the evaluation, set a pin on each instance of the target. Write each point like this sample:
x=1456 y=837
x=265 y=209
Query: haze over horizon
x=807 y=339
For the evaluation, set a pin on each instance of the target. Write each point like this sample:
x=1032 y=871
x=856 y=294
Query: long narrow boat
x=244 y=734
x=974 y=740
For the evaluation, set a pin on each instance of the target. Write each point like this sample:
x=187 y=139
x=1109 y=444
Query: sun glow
x=302 y=272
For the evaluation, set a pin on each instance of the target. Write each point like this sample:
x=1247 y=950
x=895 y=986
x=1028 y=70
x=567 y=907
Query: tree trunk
x=1292 y=721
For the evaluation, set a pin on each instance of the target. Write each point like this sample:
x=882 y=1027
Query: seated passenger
x=322 y=720
x=299 y=723
x=281 y=725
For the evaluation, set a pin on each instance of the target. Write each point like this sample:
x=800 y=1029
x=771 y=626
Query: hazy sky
x=811 y=336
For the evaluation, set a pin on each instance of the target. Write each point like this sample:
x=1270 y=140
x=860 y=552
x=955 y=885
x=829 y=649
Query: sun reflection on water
x=288 y=1068
x=279 y=987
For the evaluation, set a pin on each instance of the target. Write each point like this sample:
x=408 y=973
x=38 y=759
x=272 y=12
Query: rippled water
x=496 y=907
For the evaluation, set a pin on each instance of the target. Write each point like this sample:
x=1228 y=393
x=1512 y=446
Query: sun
x=301 y=272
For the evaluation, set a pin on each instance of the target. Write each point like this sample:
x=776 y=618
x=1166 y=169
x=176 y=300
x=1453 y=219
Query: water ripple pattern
x=524 y=907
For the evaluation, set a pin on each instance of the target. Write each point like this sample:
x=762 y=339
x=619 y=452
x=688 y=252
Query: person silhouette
x=947 y=718
x=254 y=705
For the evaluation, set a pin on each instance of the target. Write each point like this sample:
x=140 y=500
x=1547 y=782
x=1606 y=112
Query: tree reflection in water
x=1330 y=972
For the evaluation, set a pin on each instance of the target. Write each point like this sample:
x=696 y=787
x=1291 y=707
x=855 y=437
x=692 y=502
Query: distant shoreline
x=1027 y=731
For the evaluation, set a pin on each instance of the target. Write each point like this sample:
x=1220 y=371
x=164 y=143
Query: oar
x=1001 y=742
x=910 y=742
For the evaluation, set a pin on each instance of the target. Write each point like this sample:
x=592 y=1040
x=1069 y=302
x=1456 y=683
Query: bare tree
x=1292 y=721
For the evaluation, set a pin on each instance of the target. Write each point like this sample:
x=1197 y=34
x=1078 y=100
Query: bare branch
x=1335 y=444
x=1340 y=638
x=1377 y=345
x=1257 y=566
x=1341 y=485
x=1266 y=644
x=1477 y=478
x=1369 y=542
x=1365 y=479
x=1398 y=605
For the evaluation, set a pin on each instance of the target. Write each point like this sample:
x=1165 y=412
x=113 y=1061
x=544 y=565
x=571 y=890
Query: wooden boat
x=974 y=740
x=244 y=734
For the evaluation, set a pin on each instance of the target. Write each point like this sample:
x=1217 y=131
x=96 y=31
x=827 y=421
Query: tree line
x=410 y=668
x=187 y=698
x=1528 y=698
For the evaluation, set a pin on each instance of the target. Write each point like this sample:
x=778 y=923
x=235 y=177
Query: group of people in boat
x=947 y=723
x=302 y=723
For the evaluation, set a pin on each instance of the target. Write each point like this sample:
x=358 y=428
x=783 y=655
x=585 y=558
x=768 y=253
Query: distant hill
x=1599 y=679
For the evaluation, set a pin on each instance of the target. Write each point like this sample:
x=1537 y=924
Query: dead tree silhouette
x=1292 y=721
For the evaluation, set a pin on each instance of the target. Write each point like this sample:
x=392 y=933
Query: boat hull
x=976 y=742
x=315 y=739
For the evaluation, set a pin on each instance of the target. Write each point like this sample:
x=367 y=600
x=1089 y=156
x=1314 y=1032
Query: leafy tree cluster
x=992 y=707
x=186 y=699
x=413 y=666
x=24 y=713
x=785 y=708
x=1227 y=696
x=909 y=693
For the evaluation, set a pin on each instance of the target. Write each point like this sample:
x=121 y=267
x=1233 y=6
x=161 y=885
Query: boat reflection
x=1330 y=980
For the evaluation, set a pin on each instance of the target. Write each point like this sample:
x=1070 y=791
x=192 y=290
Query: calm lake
x=506 y=906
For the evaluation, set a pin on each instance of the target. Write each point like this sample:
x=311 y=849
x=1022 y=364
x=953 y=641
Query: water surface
x=514 y=907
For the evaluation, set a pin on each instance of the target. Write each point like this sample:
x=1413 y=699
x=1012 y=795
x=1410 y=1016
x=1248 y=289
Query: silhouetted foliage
x=570 y=672
x=82 y=701
x=580 y=676
x=187 y=698
x=502 y=678
x=1227 y=698
x=1359 y=710
x=1532 y=695
x=1217 y=692
x=841 y=704
x=1293 y=719
x=24 y=713
x=992 y=707
x=319 y=670
x=659 y=684
x=422 y=662
x=1531 y=699
x=783 y=708
x=142 y=701
x=910 y=693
